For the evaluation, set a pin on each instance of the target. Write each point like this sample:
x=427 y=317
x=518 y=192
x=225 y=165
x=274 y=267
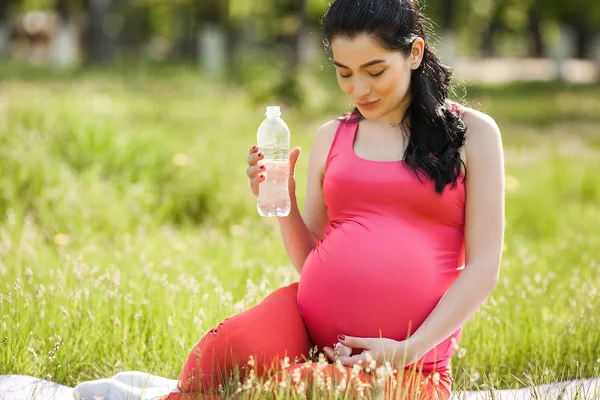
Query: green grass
x=128 y=228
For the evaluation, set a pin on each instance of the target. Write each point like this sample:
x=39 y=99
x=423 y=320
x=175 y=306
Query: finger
x=258 y=179
x=294 y=154
x=254 y=158
x=354 y=342
x=344 y=350
x=253 y=149
x=254 y=170
x=329 y=353
x=349 y=361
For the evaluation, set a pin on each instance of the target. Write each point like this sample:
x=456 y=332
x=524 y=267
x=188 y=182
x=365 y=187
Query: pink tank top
x=391 y=250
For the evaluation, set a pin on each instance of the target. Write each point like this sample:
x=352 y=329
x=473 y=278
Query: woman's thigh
x=269 y=332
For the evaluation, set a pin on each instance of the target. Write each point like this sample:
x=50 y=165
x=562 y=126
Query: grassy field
x=128 y=228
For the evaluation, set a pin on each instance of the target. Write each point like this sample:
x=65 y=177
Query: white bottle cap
x=273 y=111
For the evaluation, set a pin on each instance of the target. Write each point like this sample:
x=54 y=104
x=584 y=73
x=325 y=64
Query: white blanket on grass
x=134 y=385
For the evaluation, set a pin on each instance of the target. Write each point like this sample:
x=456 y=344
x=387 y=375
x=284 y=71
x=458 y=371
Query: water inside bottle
x=273 y=195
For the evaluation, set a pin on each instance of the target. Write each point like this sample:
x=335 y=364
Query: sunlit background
x=127 y=225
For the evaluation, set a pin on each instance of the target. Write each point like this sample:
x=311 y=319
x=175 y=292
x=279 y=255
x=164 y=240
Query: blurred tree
x=5 y=7
x=62 y=8
x=448 y=9
x=99 y=43
x=3 y=28
x=65 y=41
x=292 y=22
x=494 y=25
x=214 y=34
x=137 y=28
x=535 y=17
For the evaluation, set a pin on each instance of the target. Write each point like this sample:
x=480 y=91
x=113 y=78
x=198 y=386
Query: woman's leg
x=269 y=331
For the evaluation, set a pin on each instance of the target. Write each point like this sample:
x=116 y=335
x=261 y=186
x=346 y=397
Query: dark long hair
x=437 y=131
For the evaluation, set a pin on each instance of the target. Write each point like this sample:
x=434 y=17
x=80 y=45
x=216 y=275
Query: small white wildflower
x=454 y=343
x=297 y=375
x=267 y=385
x=247 y=385
x=300 y=389
x=356 y=369
x=462 y=352
x=435 y=378
x=372 y=363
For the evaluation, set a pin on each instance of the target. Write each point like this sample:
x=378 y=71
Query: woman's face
x=376 y=80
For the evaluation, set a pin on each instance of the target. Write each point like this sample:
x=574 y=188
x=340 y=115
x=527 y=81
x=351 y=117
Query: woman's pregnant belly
x=376 y=278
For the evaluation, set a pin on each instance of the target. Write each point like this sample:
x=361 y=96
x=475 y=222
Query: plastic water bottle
x=273 y=139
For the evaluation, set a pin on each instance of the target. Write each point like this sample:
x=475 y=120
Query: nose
x=361 y=89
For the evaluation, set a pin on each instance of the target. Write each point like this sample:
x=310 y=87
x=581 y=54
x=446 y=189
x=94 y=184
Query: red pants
x=269 y=332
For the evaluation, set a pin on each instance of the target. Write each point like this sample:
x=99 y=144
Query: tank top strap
x=456 y=108
x=343 y=140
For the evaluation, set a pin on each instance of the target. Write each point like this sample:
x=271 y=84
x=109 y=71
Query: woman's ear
x=416 y=52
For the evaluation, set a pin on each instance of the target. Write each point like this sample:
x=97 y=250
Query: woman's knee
x=269 y=332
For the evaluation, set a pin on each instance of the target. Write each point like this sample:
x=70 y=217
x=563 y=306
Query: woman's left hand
x=399 y=354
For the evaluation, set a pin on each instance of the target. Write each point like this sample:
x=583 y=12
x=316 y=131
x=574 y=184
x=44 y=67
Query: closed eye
x=373 y=75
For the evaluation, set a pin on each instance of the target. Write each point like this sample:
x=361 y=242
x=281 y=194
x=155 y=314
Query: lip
x=367 y=105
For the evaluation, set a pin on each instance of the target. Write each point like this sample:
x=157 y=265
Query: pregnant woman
x=397 y=245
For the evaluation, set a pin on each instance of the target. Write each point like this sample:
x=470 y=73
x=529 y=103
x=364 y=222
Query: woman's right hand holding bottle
x=257 y=172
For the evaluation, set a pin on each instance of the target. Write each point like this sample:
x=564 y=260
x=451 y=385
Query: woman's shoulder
x=480 y=126
x=327 y=131
x=323 y=139
x=476 y=122
x=483 y=137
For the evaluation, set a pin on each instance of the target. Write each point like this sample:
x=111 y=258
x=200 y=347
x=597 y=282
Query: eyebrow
x=362 y=66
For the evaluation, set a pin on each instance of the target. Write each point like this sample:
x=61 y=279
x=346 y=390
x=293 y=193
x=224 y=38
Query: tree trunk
x=583 y=38
x=186 y=43
x=538 y=48
x=213 y=42
x=488 y=45
x=62 y=9
x=64 y=40
x=4 y=28
x=291 y=41
x=488 y=42
x=597 y=56
x=564 y=49
x=100 y=46
x=131 y=39
x=448 y=13
x=64 y=44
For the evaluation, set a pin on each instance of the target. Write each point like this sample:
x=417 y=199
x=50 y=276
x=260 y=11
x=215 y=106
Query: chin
x=370 y=115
